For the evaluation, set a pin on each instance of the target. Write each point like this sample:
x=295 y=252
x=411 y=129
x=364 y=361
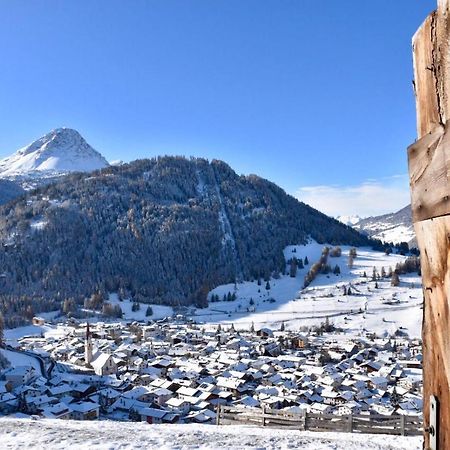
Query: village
x=176 y=371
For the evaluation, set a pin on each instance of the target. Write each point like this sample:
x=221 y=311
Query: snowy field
x=381 y=310
x=48 y=331
x=59 y=434
x=20 y=359
x=159 y=311
x=399 y=233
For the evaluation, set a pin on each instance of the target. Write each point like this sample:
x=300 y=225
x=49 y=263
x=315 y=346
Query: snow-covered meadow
x=61 y=434
x=158 y=311
x=382 y=310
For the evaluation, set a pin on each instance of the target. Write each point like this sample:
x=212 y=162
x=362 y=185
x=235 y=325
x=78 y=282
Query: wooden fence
x=374 y=424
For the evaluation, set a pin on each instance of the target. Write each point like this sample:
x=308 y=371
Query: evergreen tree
x=306 y=261
x=134 y=416
x=268 y=286
x=149 y=311
x=117 y=312
x=374 y=274
x=293 y=268
x=395 y=280
x=395 y=398
x=136 y=306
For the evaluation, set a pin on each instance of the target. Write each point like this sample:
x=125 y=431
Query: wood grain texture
x=443 y=6
x=431 y=47
x=433 y=236
x=427 y=101
x=429 y=169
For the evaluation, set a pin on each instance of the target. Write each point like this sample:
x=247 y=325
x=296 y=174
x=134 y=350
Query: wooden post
x=429 y=170
x=218 y=414
x=402 y=425
x=263 y=416
x=350 y=423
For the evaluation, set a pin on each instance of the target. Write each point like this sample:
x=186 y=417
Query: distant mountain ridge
x=164 y=230
x=60 y=151
x=349 y=220
x=395 y=227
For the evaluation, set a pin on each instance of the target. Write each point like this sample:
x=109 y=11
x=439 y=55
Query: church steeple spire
x=88 y=346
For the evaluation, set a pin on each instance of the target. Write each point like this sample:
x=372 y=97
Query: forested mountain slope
x=164 y=230
x=9 y=191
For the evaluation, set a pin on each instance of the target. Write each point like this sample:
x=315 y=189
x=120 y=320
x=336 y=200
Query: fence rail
x=372 y=424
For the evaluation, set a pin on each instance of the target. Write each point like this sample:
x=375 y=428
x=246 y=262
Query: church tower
x=88 y=346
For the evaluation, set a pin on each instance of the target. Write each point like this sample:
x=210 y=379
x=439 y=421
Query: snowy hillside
x=62 y=434
x=379 y=308
x=60 y=151
x=396 y=227
x=125 y=226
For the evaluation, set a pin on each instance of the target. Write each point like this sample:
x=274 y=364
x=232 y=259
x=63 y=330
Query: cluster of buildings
x=180 y=372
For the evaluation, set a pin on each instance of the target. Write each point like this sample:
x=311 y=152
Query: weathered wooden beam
x=429 y=160
x=427 y=101
x=429 y=169
x=444 y=4
x=433 y=235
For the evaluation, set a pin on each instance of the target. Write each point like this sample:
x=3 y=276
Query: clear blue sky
x=306 y=93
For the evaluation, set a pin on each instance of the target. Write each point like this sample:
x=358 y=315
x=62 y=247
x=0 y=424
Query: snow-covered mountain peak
x=60 y=151
x=349 y=220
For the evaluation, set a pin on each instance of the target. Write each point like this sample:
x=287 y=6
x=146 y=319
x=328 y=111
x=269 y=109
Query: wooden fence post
x=263 y=416
x=402 y=425
x=429 y=171
x=350 y=423
x=218 y=414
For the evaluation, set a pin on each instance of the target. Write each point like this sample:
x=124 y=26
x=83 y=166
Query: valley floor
x=59 y=434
